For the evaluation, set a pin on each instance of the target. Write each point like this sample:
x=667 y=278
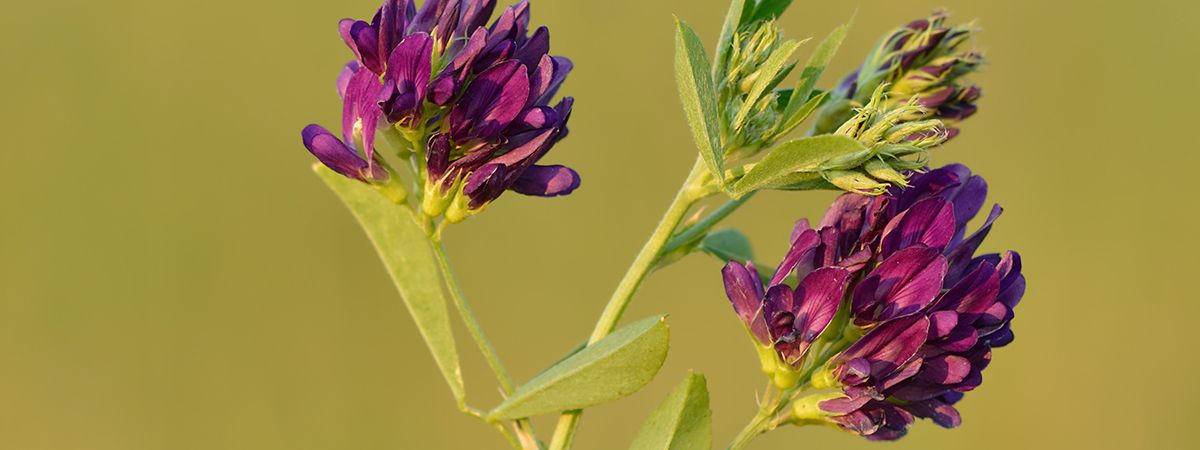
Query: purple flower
x=482 y=123
x=920 y=61
x=928 y=309
x=338 y=156
x=360 y=117
x=787 y=319
x=933 y=309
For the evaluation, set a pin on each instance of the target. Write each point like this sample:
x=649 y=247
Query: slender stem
x=644 y=262
x=468 y=317
x=757 y=426
x=524 y=428
x=768 y=416
x=564 y=431
x=689 y=193
x=698 y=229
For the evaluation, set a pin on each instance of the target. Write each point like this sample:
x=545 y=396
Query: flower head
x=921 y=311
x=933 y=309
x=922 y=63
x=784 y=321
x=473 y=103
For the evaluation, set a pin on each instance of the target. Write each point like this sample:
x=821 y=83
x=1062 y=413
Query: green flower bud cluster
x=750 y=120
x=893 y=144
x=923 y=60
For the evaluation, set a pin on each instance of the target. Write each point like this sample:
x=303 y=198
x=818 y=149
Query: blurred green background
x=172 y=275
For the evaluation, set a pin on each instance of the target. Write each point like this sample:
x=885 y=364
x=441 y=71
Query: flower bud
x=922 y=62
x=755 y=129
x=895 y=144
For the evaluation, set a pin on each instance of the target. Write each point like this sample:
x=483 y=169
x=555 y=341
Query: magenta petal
x=1012 y=282
x=843 y=405
x=447 y=23
x=902 y=285
x=944 y=370
x=804 y=243
x=407 y=79
x=779 y=311
x=531 y=52
x=474 y=15
x=438 y=159
x=442 y=90
x=904 y=373
x=819 y=295
x=974 y=294
x=484 y=184
x=960 y=253
x=526 y=148
x=534 y=118
x=930 y=222
x=941 y=324
x=343 y=79
x=546 y=78
x=941 y=413
x=968 y=201
x=393 y=19
x=333 y=153
x=962 y=338
x=365 y=40
x=562 y=67
x=490 y=103
x=889 y=346
x=546 y=181
x=361 y=107
x=745 y=292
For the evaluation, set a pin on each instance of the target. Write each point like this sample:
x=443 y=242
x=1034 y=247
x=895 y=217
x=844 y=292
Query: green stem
x=764 y=421
x=689 y=193
x=752 y=430
x=698 y=229
x=524 y=428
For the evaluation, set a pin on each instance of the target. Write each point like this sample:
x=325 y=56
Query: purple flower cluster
x=904 y=272
x=922 y=60
x=476 y=97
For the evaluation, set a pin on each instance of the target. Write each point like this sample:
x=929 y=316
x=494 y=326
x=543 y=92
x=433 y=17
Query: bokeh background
x=172 y=275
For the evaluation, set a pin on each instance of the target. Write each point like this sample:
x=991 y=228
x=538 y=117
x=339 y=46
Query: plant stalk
x=689 y=193
x=523 y=428
x=756 y=427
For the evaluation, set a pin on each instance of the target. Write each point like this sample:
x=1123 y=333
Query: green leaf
x=681 y=422
x=770 y=9
x=612 y=368
x=789 y=123
x=733 y=21
x=728 y=244
x=408 y=256
x=816 y=65
x=799 y=155
x=801 y=181
x=766 y=75
x=698 y=95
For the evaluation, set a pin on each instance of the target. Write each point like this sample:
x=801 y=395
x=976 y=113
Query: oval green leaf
x=698 y=94
x=800 y=155
x=612 y=368
x=682 y=422
x=728 y=244
x=409 y=259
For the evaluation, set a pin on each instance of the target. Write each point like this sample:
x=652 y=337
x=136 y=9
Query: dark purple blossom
x=928 y=309
x=933 y=310
x=484 y=121
x=787 y=319
x=924 y=61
